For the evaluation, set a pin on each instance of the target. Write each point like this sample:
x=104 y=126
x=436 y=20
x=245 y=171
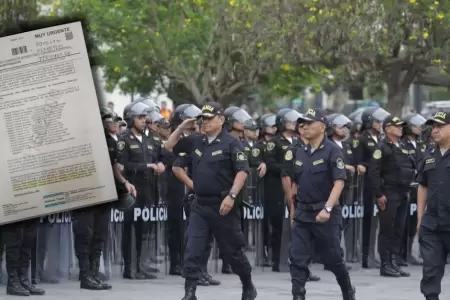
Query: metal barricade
x=252 y=216
x=53 y=258
x=352 y=214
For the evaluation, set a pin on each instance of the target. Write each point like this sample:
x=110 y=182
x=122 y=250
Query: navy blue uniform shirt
x=215 y=164
x=315 y=172
x=434 y=173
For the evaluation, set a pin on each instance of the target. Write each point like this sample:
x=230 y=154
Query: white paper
x=53 y=154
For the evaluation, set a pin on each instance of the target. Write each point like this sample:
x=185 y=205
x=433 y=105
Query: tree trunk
x=396 y=100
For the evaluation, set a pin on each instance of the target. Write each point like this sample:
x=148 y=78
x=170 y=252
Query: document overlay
x=53 y=151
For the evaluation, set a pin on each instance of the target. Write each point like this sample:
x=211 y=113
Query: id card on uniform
x=53 y=153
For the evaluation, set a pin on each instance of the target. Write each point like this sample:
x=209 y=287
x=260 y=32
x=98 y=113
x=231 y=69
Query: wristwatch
x=328 y=209
x=232 y=195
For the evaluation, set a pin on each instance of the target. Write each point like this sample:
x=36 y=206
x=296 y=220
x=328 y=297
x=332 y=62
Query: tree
x=207 y=49
x=13 y=11
x=397 y=42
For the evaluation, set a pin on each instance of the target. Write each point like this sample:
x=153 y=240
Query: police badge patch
x=255 y=152
x=270 y=146
x=340 y=164
x=355 y=143
x=120 y=145
x=377 y=154
x=288 y=156
x=240 y=156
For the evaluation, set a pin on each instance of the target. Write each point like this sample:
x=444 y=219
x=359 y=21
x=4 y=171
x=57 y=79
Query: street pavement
x=270 y=286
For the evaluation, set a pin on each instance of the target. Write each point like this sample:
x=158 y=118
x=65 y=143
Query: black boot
x=14 y=287
x=396 y=267
x=127 y=271
x=298 y=294
x=95 y=268
x=248 y=292
x=175 y=270
x=86 y=280
x=370 y=263
x=25 y=282
x=226 y=269
x=189 y=290
x=387 y=270
x=400 y=261
x=348 y=290
x=209 y=279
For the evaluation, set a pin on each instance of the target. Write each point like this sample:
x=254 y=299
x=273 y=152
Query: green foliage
x=214 y=48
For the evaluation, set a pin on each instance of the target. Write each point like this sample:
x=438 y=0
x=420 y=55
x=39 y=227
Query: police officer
x=141 y=158
x=318 y=175
x=434 y=222
x=363 y=148
x=274 y=196
x=180 y=144
x=235 y=118
x=338 y=132
x=90 y=225
x=267 y=131
x=219 y=171
x=416 y=147
x=254 y=152
x=18 y=239
x=391 y=172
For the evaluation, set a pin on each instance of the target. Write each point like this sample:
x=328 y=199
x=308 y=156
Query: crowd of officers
x=307 y=161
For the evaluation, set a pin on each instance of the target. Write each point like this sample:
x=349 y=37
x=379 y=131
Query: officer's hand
x=361 y=169
x=351 y=169
x=187 y=124
x=160 y=168
x=130 y=189
x=262 y=168
x=382 y=203
x=226 y=206
x=323 y=216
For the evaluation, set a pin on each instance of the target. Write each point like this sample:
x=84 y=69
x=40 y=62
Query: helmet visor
x=138 y=109
x=191 y=112
x=380 y=114
x=417 y=120
x=270 y=121
x=292 y=116
x=341 y=121
x=241 y=116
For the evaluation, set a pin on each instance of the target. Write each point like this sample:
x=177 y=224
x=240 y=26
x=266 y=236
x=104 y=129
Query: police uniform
x=274 y=198
x=339 y=120
x=315 y=172
x=183 y=161
x=434 y=233
x=416 y=148
x=135 y=155
x=214 y=167
x=391 y=172
x=363 y=148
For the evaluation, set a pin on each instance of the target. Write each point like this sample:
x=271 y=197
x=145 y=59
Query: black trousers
x=19 y=239
x=392 y=222
x=90 y=229
x=368 y=228
x=174 y=225
x=227 y=231
x=206 y=253
x=274 y=210
x=306 y=238
x=434 y=247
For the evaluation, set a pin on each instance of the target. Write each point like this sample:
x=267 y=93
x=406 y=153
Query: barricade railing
x=54 y=258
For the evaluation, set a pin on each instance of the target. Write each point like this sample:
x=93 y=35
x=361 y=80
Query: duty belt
x=210 y=200
x=310 y=206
